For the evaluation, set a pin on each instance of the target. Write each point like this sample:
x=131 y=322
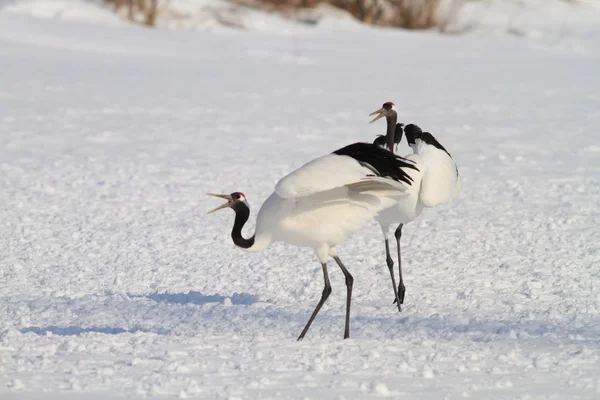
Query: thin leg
x=390 y=264
x=401 y=288
x=349 y=283
x=324 y=296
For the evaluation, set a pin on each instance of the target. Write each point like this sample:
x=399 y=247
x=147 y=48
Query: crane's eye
x=237 y=196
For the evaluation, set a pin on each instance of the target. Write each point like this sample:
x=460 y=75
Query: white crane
x=435 y=181
x=321 y=204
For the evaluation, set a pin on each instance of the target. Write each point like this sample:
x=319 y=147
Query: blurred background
x=516 y=17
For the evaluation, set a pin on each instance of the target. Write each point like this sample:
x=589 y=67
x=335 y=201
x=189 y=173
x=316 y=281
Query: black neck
x=391 y=131
x=242 y=213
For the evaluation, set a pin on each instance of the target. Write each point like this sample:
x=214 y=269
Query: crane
x=435 y=181
x=321 y=204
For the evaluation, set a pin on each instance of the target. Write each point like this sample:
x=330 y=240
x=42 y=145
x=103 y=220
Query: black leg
x=349 y=283
x=401 y=288
x=390 y=264
x=324 y=296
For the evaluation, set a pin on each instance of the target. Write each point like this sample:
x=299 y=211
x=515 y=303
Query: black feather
x=398 y=134
x=413 y=132
x=380 y=140
x=381 y=161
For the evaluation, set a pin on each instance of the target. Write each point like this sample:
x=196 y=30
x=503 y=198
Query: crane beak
x=222 y=196
x=381 y=113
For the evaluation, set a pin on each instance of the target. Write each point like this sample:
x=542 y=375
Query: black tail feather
x=381 y=161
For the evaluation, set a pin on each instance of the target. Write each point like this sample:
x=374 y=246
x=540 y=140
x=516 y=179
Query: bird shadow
x=199 y=298
x=483 y=330
x=77 y=330
x=192 y=297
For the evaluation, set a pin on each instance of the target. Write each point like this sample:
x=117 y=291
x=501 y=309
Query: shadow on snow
x=154 y=313
x=194 y=297
x=77 y=330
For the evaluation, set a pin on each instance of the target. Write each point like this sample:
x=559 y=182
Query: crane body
x=322 y=203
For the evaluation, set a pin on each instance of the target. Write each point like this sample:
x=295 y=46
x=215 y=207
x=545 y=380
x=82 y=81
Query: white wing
x=440 y=182
x=377 y=184
x=321 y=174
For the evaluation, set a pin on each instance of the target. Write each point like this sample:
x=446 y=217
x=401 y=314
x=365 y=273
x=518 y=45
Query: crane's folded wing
x=321 y=174
x=377 y=184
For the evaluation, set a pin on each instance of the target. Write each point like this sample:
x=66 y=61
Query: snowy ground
x=114 y=281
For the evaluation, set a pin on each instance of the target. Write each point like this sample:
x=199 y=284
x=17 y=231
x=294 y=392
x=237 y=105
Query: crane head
x=232 y=199
x=386 y=110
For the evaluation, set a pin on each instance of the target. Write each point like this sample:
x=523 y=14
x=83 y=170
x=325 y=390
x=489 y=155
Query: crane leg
x=349 y=284
x=401 y=287
x=324 y=296
x=390 y=264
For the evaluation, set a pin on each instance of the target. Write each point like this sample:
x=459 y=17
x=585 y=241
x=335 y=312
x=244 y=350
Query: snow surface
x=114 y=281
x=90 y=11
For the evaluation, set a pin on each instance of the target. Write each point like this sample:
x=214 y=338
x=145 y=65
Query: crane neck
x=391 y=131
x=242 y=213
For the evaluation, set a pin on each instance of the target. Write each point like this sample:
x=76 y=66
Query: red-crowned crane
x=321 y=204
x=435 y=181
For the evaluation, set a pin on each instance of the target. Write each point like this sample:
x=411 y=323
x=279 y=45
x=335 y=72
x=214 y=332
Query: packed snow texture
x=114 y=281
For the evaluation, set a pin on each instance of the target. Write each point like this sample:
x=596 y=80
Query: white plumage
x=322 y=203
x=440 y=181
x=435 y=183
x=321 y=219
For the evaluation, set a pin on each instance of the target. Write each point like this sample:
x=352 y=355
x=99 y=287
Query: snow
x=91 y=11
x=203 y=15
x=114 y=281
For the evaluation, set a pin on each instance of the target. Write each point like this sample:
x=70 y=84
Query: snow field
x=115 y=282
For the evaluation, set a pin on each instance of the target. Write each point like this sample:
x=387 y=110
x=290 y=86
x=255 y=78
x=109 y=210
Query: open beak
x=381 y=113
x=222 y=196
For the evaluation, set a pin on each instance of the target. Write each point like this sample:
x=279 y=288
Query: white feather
x=436 y=182
x=440 y=183
x=324 y=218
x=321 y=174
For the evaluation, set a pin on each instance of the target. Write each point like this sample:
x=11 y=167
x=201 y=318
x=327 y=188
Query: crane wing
x=438 y=175
x=321 y=174
x=344 y=167
x=379 y=185
x=441 y=182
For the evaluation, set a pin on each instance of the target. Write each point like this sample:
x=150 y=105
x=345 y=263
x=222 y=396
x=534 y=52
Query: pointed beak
x=381 y=113
x=222 y=196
